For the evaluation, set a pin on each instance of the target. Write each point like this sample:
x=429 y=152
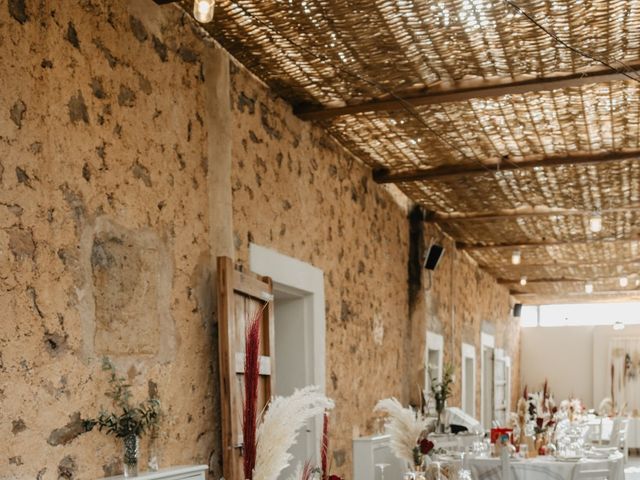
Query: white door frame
x=291 y=275
x=468 y=351
x=486 y=341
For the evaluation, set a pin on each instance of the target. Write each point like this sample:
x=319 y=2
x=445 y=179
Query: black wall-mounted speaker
x=432 y=257
x=517 y=309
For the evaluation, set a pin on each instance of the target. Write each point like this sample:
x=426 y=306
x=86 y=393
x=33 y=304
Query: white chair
x=592 y=471
x=619 y=436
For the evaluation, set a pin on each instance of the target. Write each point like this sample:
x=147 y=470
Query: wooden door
x=240 y=296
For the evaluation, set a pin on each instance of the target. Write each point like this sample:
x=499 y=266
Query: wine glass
x=382 y=466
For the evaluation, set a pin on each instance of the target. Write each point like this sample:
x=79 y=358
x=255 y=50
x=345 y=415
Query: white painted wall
x=575 y=360
x=562 y=355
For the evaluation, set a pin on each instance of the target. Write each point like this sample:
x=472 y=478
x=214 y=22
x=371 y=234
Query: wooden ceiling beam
x=465 y=90
x=480 y=246
x=595 y=294
x=452 y=172
x=497 y=216
x=508 y=281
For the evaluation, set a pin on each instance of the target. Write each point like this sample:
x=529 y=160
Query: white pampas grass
x=404 y=426
x=279 y=429
x=297 y=473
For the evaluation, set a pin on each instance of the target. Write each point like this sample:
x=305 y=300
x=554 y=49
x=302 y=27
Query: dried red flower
x=539 y=422
x=426 y=446
x=334 y=477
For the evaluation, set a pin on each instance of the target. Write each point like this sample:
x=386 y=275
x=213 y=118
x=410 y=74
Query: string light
x=523 y=281
x=588 y=287
x=203 y=10
x=516 y=257
x=595 y=222
x=624 y=281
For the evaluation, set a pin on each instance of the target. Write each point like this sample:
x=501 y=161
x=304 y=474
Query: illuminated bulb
x=523 y=281
x=203 y=10
x=618 y=325
x=516 y=256
x=624 y=281
x=588 y=287
x=595 y=223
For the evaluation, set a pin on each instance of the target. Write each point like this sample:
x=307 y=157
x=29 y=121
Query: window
x=433 y=362
x=589 y=314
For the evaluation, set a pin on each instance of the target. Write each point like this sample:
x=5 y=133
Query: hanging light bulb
x=588 y=287
x=203 y=10
x=624 y=281
x=516 y=257
x=523 y=281
x=595 y=222
x=618 y=325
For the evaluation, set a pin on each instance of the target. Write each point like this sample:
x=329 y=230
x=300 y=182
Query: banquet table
x=539 y=468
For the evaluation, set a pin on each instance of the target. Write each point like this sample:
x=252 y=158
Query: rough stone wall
x=105 y=244
x=460 y=302
x=103 y=233
x=297 y=192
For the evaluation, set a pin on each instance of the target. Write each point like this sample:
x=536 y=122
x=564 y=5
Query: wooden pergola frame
x=469 y=90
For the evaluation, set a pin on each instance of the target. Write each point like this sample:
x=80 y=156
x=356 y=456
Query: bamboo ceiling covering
x=506 y=136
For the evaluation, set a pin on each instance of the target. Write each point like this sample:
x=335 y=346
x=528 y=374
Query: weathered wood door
x=240 y=296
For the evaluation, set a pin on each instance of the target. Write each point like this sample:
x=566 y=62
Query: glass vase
x=130 y=459
x=440 y=409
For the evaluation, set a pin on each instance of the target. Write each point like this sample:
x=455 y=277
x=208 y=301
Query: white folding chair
x=592 y=471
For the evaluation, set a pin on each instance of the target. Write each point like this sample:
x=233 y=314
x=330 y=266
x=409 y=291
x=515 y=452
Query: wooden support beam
x=524 y=266
x=463 y=91
x=452 y=172
x=481 y=246
x=498 y=216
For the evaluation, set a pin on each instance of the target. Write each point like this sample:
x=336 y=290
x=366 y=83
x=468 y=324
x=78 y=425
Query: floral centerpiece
x=440 y=392
x=422 y=452
x=129 y=421
x=407 y=429
x=268 y=438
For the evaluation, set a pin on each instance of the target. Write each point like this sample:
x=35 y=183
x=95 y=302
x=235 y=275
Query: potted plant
x=129 y=422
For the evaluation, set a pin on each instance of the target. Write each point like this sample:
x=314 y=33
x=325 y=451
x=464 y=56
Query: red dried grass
x=307 y=471
x=251 y=378
x=324 y=448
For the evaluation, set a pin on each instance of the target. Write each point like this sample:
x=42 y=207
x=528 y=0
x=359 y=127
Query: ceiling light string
x=405 y=104
x=576 y=50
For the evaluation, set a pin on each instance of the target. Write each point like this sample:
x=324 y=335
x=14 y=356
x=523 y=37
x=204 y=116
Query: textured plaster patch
x=124 y=301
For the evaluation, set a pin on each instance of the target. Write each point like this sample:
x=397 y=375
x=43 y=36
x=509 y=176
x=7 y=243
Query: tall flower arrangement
x=251 y=378
x=405 y=426
x=284 y=418
x=267 y=441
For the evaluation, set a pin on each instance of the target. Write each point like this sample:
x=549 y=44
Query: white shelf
x=173 y=473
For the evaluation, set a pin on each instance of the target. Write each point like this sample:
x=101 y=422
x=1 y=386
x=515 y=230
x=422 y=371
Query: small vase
x=440 y=427
x=131 y=444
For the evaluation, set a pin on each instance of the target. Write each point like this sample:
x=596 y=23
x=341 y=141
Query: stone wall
x=297 y=192
x=114 y=130
x=104 y=246
x=460 y=301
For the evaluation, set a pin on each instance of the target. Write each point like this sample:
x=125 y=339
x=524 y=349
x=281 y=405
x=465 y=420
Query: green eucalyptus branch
x=133 y=419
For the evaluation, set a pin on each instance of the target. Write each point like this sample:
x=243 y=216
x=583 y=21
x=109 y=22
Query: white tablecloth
x=539 y=468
